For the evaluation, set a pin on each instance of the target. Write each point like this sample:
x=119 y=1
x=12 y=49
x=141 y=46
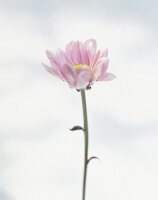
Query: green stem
x=85 y=142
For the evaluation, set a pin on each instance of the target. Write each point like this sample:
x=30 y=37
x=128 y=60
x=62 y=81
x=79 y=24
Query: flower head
x=80 y=65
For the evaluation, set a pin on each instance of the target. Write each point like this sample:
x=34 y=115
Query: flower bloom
x=80 y=65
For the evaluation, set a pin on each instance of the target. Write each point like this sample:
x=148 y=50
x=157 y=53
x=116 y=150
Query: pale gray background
x=40 y=159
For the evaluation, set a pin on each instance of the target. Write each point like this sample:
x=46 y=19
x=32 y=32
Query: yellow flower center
x=78 y=67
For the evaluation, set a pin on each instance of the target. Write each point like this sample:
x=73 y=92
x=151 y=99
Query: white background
x=40 y=159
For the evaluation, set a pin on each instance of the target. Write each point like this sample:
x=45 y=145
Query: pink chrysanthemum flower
x=80 y=65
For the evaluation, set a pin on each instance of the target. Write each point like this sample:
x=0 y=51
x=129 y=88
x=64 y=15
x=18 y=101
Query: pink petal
x=76 y=52
x=104 y=66
x=69 y=52
x=51 y=70
x=62 y=56
x=96 y=57
x=73 y=51
x=106 y=77
x=104 y=53
x=101 y=67
x=84 y=55
x=54 y=60
x=57 y=62
x=90 y=46
x=83 y=78
x=70 y=75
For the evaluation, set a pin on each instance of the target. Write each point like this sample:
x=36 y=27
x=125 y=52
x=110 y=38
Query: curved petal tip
x=107 y=77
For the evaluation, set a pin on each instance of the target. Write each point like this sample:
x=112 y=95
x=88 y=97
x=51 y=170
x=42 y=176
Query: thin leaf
x=93 y=157
x=75 y=128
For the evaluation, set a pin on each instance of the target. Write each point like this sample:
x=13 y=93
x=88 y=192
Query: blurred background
x=40 y=159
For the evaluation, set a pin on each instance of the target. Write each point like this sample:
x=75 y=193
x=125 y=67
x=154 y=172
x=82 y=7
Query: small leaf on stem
x=75 y=128
x=93 y=157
